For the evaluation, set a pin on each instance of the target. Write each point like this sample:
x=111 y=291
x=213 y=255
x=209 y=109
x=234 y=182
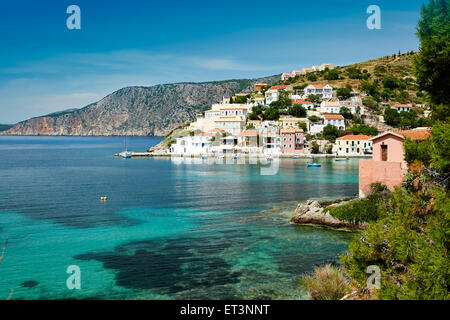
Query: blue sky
x=44 y=67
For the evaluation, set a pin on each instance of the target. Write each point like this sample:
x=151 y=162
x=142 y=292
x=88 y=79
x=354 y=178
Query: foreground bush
x=326 y=283
x=361 y=210
x=409 y=243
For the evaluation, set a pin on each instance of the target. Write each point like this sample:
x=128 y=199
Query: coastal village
x=291 y=121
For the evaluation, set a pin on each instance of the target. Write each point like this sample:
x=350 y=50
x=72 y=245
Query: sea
x=171 y=228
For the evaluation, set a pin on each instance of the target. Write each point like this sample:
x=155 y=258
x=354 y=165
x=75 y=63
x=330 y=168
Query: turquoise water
x=170 y=229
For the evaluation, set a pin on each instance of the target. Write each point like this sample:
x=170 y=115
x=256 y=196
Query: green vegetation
x=314 y=118
x=330 y=132
x=311 y=77
x=303 y=125
x=271 y=113
x=361 y=210
x=364 y=129
x=344 y=92
x=297 y=111
x=409 y=243
x=326 y=283
x=282 y=103
x=432 y=64
x=404 y=119
x=4 y=127
x=315 y=147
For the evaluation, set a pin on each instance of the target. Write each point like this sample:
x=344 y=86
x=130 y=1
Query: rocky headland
x=312 y=212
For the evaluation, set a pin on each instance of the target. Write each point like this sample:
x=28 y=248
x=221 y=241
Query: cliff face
x=143 y=111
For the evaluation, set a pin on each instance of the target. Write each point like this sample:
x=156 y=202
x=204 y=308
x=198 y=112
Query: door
x=384 y=153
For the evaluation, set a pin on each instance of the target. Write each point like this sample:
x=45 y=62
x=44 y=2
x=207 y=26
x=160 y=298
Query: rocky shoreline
x=312 y=213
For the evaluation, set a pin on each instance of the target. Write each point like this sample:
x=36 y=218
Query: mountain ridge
x=137 y=110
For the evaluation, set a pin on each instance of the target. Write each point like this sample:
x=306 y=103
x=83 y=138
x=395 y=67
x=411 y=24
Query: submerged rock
x=30 y=284
x=312 y=212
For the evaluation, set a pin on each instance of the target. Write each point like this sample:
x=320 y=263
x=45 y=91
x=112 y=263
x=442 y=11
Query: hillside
x=140 y=111
x=398 y=66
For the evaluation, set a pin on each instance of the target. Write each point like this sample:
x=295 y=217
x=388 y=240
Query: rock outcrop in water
x=312 y=212
x=140 y=111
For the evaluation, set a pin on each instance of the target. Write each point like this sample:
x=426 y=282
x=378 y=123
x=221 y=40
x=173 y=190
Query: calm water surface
x=170 y=229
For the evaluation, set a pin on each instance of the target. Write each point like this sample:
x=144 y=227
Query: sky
x=45 y=67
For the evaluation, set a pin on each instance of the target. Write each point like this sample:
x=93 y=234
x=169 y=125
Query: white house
x=234 y=111
x=193 y=145
x=330 y=107
x=336 y=120
x=354 y=145
x=232 y=125
x=308 y=105
x=402 y=107
x=323 y=91
x=273 y=93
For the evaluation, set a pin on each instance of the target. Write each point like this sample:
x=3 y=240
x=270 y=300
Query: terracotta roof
x=331 y=103
x=333 y=116
x=278 y=87
x=417 y=134
x=205 y=134
x=216 y=130
x=291 y=130
x=398 y=105
x=354 y=137
x=319 y=86
x=248 y=133
x=301 y=101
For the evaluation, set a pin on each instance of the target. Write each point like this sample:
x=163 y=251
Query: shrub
x=409 y=243
x=326 y=283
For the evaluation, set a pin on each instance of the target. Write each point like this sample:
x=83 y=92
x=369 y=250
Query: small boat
x=309 y=156
x=341 y=159
x=296 y=157
x=313 y=165
x=204 y=157
x=219 y=157
x=236 y=157
x=125 y=154
x=269 y=158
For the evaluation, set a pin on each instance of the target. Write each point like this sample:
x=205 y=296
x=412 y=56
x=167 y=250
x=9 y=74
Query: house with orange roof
x=292 y=141
x=323 y=91
x=259 y=86
x=401 y=107
x=285 y=76
x=273 y=94
x=388 y=165
x=248 y=140
x=353 y=145
x=336 y=120
x=230 y=124
x=308 y=105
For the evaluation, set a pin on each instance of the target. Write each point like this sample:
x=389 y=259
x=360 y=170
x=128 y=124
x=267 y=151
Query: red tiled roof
x=290 y=130
x=248 y=133
x=216 y=130
x=398 y=105
x=278 y=87
x=205 y=134
x=301 y=101
x=418 y=134
x=415 y=134
x=354 y=137
x=333 y=116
